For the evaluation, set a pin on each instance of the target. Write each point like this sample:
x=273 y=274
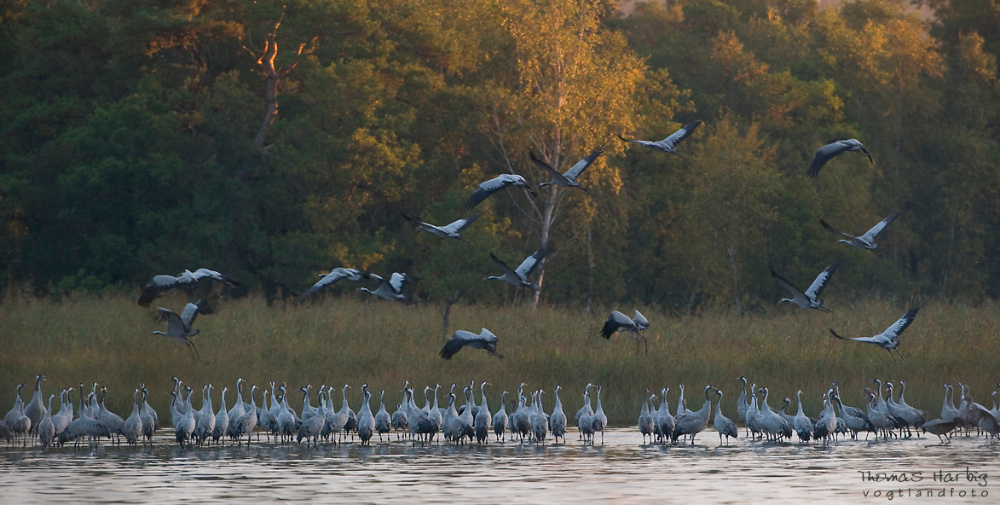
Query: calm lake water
x=623 y=470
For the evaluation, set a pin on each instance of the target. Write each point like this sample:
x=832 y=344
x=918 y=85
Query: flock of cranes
x=180 y=327
x=459 y=422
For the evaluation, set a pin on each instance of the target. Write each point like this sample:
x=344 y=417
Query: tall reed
x=349 y=340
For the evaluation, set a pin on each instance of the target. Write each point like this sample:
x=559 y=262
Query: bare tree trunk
x=736 y=282
x=547 y=218
x=272 y=76
x=446 y=312
x=590 y=263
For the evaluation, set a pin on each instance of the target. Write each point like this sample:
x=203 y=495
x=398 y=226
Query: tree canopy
x=276 y=140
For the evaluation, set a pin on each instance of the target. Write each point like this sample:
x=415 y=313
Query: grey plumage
x=866 y=241
x=888 y=339
x=808 y=299
x=332 y=277
x=669 y=144
x=179 y=326
x=487 y=188
x=519 y=276
x=829 y=151
x=485 y=340
x=570 y=178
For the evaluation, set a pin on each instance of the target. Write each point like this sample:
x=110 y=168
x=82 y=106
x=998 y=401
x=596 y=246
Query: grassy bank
x=342 y=340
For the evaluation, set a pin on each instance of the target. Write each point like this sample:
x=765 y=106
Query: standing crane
x=481 y=421
x=366 y=421
x=557 y=421
x=645 y=422
x=133 y=425
x=723 y=424
x=500 y=418
x=35 y=409
x=694 y=421
x=383 y=422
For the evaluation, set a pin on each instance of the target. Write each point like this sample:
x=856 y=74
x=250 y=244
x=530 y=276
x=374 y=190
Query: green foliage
x=130 y=144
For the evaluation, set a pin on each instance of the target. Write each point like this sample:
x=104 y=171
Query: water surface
x=623 y=470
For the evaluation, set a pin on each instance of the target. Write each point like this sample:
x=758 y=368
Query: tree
x=573 y=86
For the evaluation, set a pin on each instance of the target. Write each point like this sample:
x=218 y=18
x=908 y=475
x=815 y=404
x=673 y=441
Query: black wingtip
x=623 y=138
x=204 y=307
x=608 y=330
x=835 y=334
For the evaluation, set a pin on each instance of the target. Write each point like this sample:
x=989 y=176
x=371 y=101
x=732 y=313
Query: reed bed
x=346 y=340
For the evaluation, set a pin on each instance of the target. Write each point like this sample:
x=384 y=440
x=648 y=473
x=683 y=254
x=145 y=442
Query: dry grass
x=342 y=340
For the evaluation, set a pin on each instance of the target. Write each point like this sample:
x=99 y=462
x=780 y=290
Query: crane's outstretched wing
x=640 y=320
x=675 y=138
x=821 y=280
x=834 y=230
x=460 y=224
x=202 y=273
x=458 y=340
x=574 y=172
x=531 y=262
x=867 y=340
x=162 y=284
x=875 y=230
x=490 y=340
x=902 y=323
x=335 y=275
x=174 y=324
x=545 y=166
x=823 y=155
x=397 y=280
x=615 y=322
x=856 y=145
x=646 y=143
x=800 y=298
x=193 y=309
x=493 y=185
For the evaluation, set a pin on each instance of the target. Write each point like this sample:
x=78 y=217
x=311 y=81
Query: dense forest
x=274 y=140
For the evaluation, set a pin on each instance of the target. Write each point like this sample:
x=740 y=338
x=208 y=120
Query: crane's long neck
x=135 y=403
x=798 y=396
